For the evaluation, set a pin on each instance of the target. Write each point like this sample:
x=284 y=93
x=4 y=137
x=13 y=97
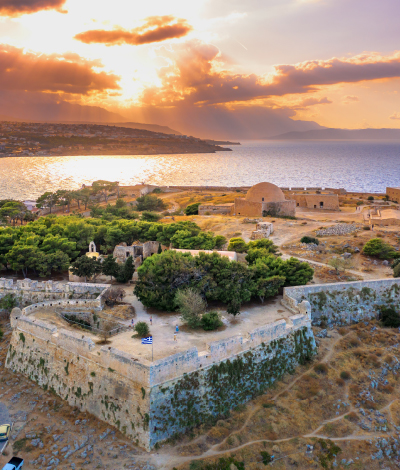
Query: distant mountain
x=340 y=134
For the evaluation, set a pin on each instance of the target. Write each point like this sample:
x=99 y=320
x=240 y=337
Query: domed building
x=264 y=199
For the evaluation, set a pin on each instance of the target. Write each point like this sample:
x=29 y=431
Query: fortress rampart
x=151 y=402
x=343 y=302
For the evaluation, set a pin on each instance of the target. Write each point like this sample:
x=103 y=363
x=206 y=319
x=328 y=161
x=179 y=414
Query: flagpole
x=151 y=349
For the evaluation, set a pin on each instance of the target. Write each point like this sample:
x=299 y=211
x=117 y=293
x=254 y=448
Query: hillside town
x=28 y=139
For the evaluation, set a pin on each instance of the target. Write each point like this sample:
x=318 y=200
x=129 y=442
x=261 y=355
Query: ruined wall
x=344 y=302
x=223 y=209
x=28 y=292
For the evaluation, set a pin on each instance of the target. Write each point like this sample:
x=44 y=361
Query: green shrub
x=345 y=375
x=157 y=191
x=370 y=198
x=390 y=318
x=211 y=321
x=1 y=334
x=366 y=227
x=149 y=216
x=396 y=268
x=238 y=245
x=142 y=329
x=321 y=368
x=192 y=209
x=309 y=240
x=8 y=302
x=378 y=248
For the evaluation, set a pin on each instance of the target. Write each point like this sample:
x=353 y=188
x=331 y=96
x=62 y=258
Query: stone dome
x=265 y=192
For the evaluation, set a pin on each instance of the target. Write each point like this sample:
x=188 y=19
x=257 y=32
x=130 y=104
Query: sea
x=368 y=166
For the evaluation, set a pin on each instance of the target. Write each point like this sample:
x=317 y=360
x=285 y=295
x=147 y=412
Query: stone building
x=139 y=252
x=394 y=194
x=264 y=199
x=317 y=201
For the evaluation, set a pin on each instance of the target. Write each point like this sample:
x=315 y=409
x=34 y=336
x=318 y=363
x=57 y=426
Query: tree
x=84 y=196
x=238 y=245
x=54 y=243
x=46 y=264
x=149 y=202
x=161 y=276
x=192 y=209
x=65 y=197
x=378 y=248
x=11 y=211
x=340 y=264
x=159 y=251
x=110 y=266
x=125 y=272
x=295 y=272
x=267 y=287
x=22 y=258
x=142 y=329
x=104 y=188
x=191 y=306
x=370 y=198
x=105 y=331
x=86 y=267
x=114 y=295
x=264 y=243
x=47 y=199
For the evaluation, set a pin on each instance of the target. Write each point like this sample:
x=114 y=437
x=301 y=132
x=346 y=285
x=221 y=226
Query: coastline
x=117 y=152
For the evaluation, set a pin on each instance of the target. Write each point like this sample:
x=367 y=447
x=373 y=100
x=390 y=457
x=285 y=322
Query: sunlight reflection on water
x=358 y=166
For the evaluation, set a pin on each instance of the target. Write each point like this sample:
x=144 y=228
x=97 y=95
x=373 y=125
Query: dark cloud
x=13 y=8
x=52 y=73
x=195 y=75
x=155 y=29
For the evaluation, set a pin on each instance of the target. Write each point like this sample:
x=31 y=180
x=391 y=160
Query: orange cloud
x=312 y=102
x=155 y=29
x=67 y=73
x=14 y=8
x=194 y=76
x=395 y=116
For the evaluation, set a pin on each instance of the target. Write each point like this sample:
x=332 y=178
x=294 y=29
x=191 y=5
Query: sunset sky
x=198 y=66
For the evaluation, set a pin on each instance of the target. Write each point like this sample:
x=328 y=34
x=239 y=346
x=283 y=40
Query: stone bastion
x=153 y=401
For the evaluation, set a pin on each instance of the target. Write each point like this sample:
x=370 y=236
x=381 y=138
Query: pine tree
x=110 y=266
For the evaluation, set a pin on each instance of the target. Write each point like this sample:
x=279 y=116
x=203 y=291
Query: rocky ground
x=346 y=404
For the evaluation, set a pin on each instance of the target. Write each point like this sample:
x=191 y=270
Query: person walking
x=175 y=337
x=151 y=319
x=132 y=323
x=176 y=329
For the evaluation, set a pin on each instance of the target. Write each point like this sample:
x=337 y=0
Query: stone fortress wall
x=343 y=302
x=152 y=401
x=27 y=291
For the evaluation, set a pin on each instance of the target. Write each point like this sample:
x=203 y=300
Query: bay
x=356 y=166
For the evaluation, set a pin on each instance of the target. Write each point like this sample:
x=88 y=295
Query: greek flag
x=148 y=340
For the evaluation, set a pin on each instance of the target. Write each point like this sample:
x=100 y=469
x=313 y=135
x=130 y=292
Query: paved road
x=4 y=419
